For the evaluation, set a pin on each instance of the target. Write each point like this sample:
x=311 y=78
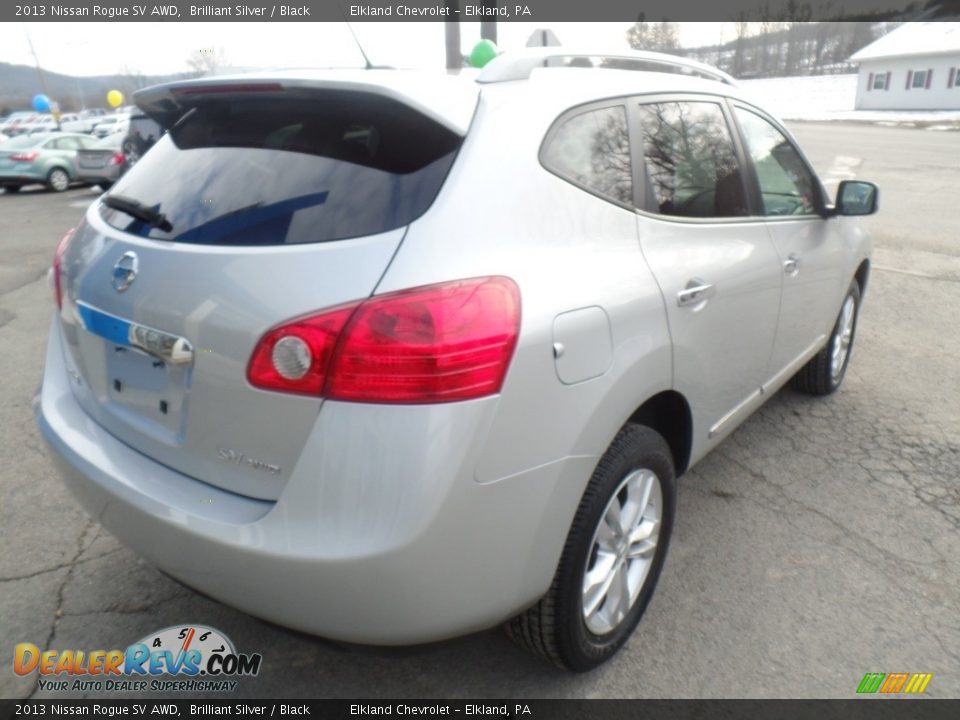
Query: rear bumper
x=21 y=177
x=95 y=175
x=382 y=534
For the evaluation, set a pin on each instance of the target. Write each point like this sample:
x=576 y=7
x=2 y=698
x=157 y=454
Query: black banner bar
x=873 y=708
x=532 y=11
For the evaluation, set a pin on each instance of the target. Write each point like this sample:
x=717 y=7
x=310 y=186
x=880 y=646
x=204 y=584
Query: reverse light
x=439 y=343
x=272 y=363
x=58 y=266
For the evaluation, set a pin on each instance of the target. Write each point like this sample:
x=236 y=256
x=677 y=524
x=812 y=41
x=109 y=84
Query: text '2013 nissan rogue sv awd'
x=390 y=357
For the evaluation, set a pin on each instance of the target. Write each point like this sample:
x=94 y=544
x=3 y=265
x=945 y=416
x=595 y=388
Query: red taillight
x=439 y=343
x=57 y=266
x=25 y=156
x=117 y=159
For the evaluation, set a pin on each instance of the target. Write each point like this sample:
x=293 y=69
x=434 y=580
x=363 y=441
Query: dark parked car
x=143 y=133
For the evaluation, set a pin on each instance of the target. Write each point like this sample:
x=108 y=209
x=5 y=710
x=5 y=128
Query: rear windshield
x=285 y=170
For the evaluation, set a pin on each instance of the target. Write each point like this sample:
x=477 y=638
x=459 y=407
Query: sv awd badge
x=232 y=456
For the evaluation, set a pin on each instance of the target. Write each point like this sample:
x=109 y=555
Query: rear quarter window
x=592 y=150
x=327 y=166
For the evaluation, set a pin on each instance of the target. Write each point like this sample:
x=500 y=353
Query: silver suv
x=391 y=357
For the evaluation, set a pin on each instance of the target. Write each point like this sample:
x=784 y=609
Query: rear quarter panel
x=501 y=213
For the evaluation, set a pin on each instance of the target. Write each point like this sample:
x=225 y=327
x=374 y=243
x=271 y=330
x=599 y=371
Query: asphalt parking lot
x=818 y=543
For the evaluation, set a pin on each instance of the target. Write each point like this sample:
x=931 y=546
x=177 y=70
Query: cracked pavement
x=819 y=542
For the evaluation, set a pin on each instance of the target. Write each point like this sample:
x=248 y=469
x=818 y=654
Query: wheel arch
x=862 y=275
x=668 y=413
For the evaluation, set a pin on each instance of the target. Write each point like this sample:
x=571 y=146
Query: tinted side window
x=66 y=143
x=691 y=163
x=786 y=185
x=593 y=150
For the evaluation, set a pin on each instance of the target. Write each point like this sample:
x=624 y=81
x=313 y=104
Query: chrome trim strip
x=740 y=407
x=162 y=345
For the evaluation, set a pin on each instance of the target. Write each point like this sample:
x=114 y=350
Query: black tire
x=105 y=185
x=817 y=377
x=55 y=180
x=555 y=628
x=11 y=189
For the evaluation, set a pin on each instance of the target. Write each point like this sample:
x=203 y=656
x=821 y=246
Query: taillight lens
x=440 y=343
x=270 y=366
x=117 y=159
x=25 y=156
x=58 y=266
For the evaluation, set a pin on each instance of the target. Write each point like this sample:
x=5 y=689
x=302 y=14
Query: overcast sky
x=91 y=48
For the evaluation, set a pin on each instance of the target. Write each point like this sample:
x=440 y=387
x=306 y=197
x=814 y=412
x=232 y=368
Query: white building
x=915 y=67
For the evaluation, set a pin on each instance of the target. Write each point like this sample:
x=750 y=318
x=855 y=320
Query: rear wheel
x=612 y=558
x=824 y=373
x=58 y=180
x=10 y=189
x=105 y=185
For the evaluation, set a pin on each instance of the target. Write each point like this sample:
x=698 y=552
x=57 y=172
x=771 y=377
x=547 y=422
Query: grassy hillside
x=19 y=83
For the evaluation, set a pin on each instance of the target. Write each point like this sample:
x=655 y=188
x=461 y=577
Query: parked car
x=41 y=122
x=391 y=357
x=111 y=124
x=103 y=162
x=3 y=137
x=76 y=123
x=48 y=158
x=11 y=126
x=68 y=122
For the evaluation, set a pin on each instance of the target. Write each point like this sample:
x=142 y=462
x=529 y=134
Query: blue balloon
x=41 y=103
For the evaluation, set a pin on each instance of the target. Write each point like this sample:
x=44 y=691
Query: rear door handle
x=695 y=292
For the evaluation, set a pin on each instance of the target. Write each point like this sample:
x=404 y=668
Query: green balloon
x=482 y=53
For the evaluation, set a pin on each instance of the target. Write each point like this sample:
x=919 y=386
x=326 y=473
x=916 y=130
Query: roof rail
x=517 y=65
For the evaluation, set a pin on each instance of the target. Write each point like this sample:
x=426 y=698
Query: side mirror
x=855 y=197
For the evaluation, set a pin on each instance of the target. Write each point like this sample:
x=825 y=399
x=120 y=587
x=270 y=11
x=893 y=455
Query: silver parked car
x=391 y=357
x=103 y=162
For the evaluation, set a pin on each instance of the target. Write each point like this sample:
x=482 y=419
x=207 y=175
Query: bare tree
x=659 y=36
x=204 y=61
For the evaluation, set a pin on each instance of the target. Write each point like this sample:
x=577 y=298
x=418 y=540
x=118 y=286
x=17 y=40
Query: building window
x=919 y=79
x=880 y=81
x=954 y=79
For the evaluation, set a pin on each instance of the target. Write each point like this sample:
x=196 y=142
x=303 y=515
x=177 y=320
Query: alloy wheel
x=622 y=551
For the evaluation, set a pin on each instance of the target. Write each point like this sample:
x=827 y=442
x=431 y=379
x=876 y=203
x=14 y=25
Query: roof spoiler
x=451 y=105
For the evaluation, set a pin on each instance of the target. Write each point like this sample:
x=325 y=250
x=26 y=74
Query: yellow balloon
x=115 y=98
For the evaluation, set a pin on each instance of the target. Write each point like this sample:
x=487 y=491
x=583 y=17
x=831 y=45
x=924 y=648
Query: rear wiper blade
x=136 y=209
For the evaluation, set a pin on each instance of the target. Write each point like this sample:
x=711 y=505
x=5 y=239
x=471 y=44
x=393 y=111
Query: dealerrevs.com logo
x=181 y=658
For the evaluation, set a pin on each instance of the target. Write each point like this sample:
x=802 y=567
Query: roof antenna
x=369 y=65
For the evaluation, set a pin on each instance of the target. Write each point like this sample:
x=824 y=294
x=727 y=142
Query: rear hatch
x=260 y=204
